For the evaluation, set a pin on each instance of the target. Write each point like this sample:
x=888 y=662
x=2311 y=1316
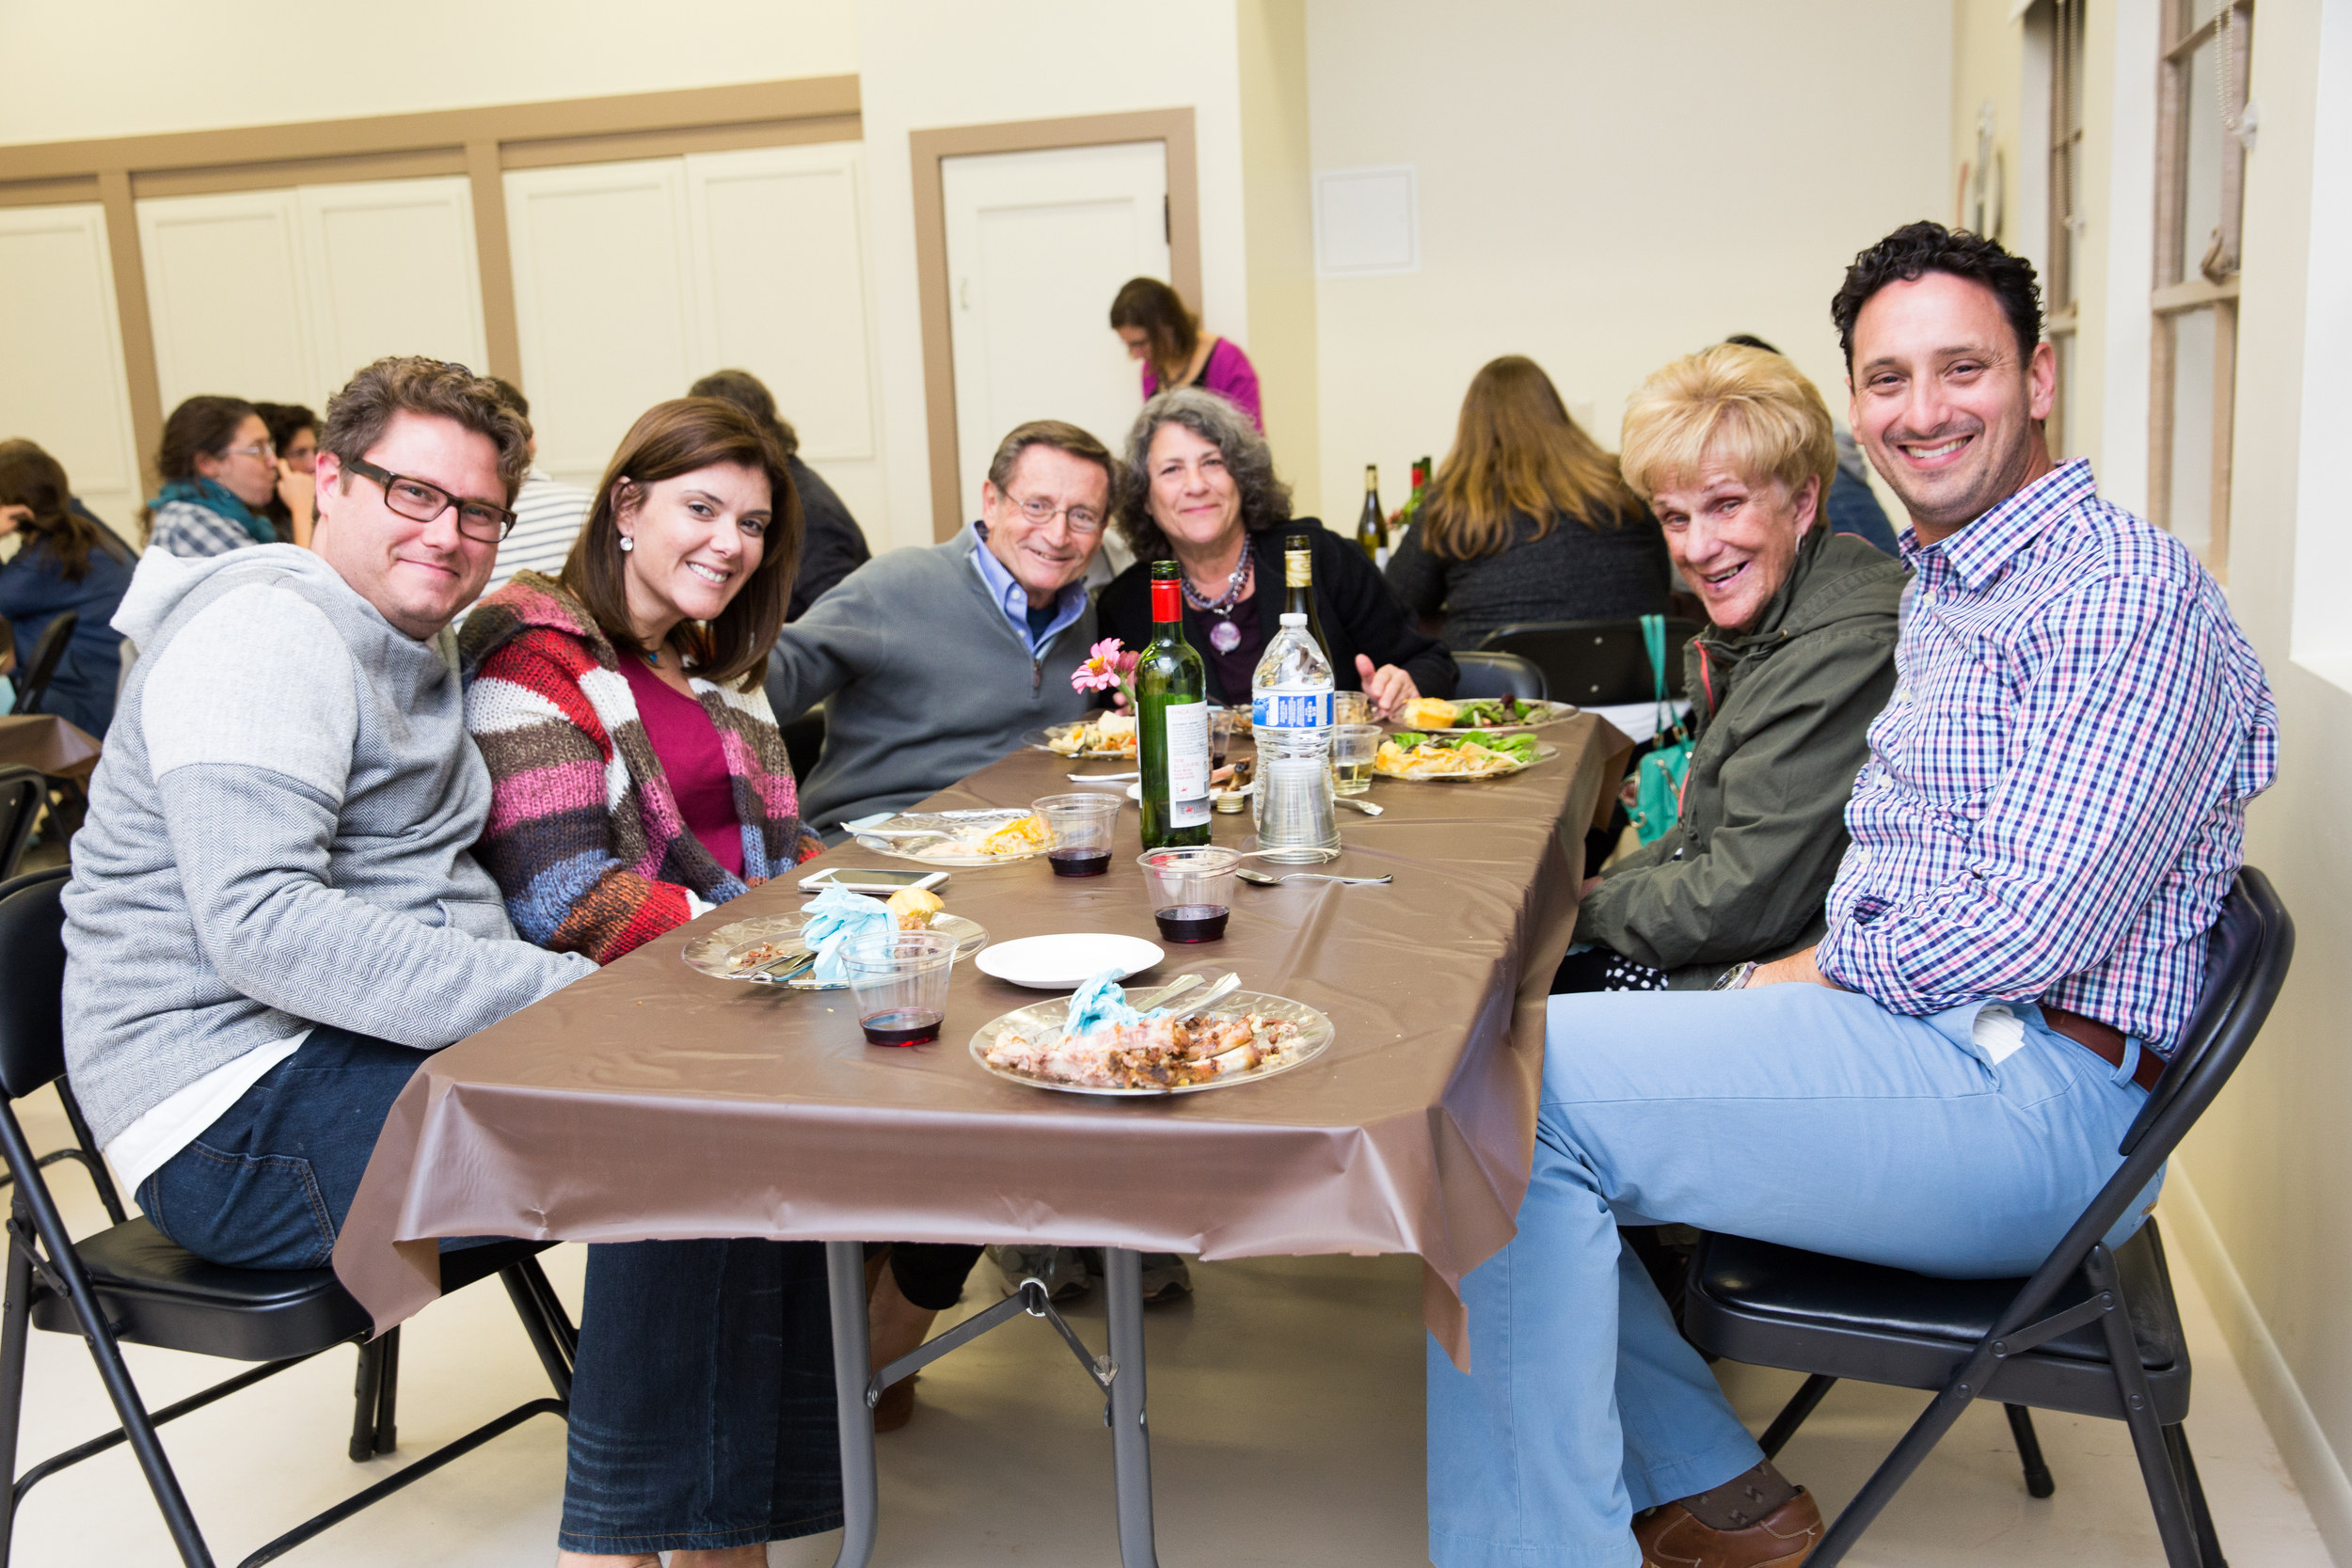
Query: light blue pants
x=1791 y=1113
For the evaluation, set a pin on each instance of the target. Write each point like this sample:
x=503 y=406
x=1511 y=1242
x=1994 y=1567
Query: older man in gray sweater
x=932 y=662
x=274 y=910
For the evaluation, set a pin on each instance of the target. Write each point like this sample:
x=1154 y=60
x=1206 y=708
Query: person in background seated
x=1850 y=506
x=831 y=544
x=1202 y=488
x=2052 y=812
x=548 y=515
x=287 y=787
x=641 y=662
x=932 y=663
x=66 y=563
x=294 y=430
x=221 y=470
x=1527 y=519
x=1732 y=448
x=1160 y=330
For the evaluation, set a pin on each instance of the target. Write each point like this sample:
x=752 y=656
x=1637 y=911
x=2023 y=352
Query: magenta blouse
x=1227 y=373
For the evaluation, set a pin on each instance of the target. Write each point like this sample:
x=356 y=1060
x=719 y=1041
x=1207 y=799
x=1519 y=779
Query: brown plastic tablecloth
x=649 y=1101
x=48 y=743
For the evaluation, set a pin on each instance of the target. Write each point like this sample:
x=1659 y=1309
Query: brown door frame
x=1172 y=127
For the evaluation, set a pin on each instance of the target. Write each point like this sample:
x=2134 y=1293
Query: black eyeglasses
x=421 y=502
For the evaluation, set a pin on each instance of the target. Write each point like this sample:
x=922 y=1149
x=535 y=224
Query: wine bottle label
x=1188 y=733
x=1298 y=569
x=1292 y=711
x=1380 y=557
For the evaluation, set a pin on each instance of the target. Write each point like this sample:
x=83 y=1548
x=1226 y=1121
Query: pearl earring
x=628 y=543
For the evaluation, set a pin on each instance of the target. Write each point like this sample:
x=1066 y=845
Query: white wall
x=61 y=380
x=926 y=63
x=119 y=68
x=1605 y=187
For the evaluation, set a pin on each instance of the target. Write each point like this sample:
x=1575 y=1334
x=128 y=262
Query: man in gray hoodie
x=274 y=910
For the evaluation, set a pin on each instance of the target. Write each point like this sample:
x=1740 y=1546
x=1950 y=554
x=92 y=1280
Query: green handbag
x=1658 y=777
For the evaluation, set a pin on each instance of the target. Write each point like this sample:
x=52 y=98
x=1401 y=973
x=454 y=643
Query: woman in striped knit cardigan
x=638 y=778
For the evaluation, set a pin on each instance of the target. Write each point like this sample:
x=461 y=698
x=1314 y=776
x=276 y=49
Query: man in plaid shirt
x=2052 y=812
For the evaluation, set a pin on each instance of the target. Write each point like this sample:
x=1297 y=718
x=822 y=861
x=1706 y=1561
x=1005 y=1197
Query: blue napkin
x=838 y=917
x=1101 y=1004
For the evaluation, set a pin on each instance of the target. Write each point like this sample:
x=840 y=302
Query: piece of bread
x=1428 y=713
x=915 y=907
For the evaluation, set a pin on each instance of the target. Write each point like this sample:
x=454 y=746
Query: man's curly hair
x=1918 y=248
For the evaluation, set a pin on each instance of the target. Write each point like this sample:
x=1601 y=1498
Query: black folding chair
x=46 y=653
x=1594 y=663
x=1495 y=674
x=804 y=742
x=128 y=1284
x=22 y=791
x=2093 y=1332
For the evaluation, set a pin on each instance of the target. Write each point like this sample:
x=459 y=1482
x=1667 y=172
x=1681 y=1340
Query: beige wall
x=1606 y=187
x=924 y=64
x=2272 y=1164
x=1277 y=164
x=196 y=68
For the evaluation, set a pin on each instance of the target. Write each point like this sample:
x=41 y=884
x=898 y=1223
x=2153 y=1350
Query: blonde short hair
x=1747 y=409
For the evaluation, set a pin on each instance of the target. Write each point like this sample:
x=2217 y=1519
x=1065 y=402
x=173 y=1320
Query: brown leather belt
x=2104 y=1042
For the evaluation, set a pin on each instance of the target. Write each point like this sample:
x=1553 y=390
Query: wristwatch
x=1736 y=977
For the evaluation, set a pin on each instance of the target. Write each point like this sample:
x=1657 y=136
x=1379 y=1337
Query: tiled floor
x=1285 y=1420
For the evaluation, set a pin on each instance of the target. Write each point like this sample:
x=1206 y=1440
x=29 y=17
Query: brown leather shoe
x=1670 y=1537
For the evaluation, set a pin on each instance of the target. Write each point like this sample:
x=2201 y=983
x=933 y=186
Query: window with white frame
x=2061 y=280
x=2201 y=166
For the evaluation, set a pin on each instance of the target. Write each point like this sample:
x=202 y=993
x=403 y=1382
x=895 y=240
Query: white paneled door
x=281 y=296
x=1038 y=244
x=633 y=280
x=61 y=381
x=391 y=269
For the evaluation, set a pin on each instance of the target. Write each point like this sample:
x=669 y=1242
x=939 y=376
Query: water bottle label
x=1291 y=710
x=1188 y=732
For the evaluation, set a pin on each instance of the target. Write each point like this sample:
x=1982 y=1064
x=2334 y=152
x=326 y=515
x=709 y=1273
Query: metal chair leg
x=2038 y=1482
x=2200 y=1516
x=15 y=1330
x=528 y=1307
x=366 y=1388
x=2131 y=1381
x=387 y=1433
x=1792 y=1414
x=58 y=1250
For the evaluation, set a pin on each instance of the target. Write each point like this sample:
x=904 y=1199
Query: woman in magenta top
x=1153 y=319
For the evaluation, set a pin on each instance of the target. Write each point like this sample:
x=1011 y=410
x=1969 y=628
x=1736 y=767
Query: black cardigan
x=1359 y=614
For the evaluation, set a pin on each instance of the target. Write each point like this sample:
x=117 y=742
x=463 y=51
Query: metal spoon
x=1105 y=777
x=1248 y=875
x=1353 y=805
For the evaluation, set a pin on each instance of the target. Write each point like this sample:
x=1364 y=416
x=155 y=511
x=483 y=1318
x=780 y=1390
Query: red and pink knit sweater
x=585 y=838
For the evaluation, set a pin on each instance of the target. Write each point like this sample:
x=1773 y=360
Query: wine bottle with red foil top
x=1173 y=728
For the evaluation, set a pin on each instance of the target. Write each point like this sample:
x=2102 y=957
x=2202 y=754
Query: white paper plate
x=1064 y=963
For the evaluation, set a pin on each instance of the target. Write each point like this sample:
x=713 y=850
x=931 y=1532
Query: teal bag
x=1658 y=777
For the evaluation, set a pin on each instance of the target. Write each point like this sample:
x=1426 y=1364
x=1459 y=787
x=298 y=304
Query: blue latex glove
x=838 y=917
x=1101 y=1004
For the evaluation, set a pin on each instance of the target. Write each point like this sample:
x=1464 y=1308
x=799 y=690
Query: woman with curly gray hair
x=1199 y=487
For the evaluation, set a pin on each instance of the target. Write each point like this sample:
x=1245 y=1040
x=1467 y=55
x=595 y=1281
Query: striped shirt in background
x=2055 y=803
x=548 y=516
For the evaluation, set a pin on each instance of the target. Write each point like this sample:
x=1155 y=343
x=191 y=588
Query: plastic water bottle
x=1290 y=708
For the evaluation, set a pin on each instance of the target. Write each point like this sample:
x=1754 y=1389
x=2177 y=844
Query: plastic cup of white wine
x=1353 y=749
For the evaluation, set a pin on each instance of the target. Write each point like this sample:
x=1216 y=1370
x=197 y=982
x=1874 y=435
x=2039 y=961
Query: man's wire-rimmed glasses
x=420 y=501
x=1038 y=510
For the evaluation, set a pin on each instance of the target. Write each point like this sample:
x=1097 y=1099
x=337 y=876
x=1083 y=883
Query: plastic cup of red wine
x=1078 y=832
x=1192 y=890
x=899 y=984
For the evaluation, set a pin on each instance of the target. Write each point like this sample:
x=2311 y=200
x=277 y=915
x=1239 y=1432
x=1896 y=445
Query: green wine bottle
x=1172 y=730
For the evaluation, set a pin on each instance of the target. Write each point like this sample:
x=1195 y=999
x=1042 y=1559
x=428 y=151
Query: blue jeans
x=266 y=1186
x=703 y=1411
x=1791 y=1113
